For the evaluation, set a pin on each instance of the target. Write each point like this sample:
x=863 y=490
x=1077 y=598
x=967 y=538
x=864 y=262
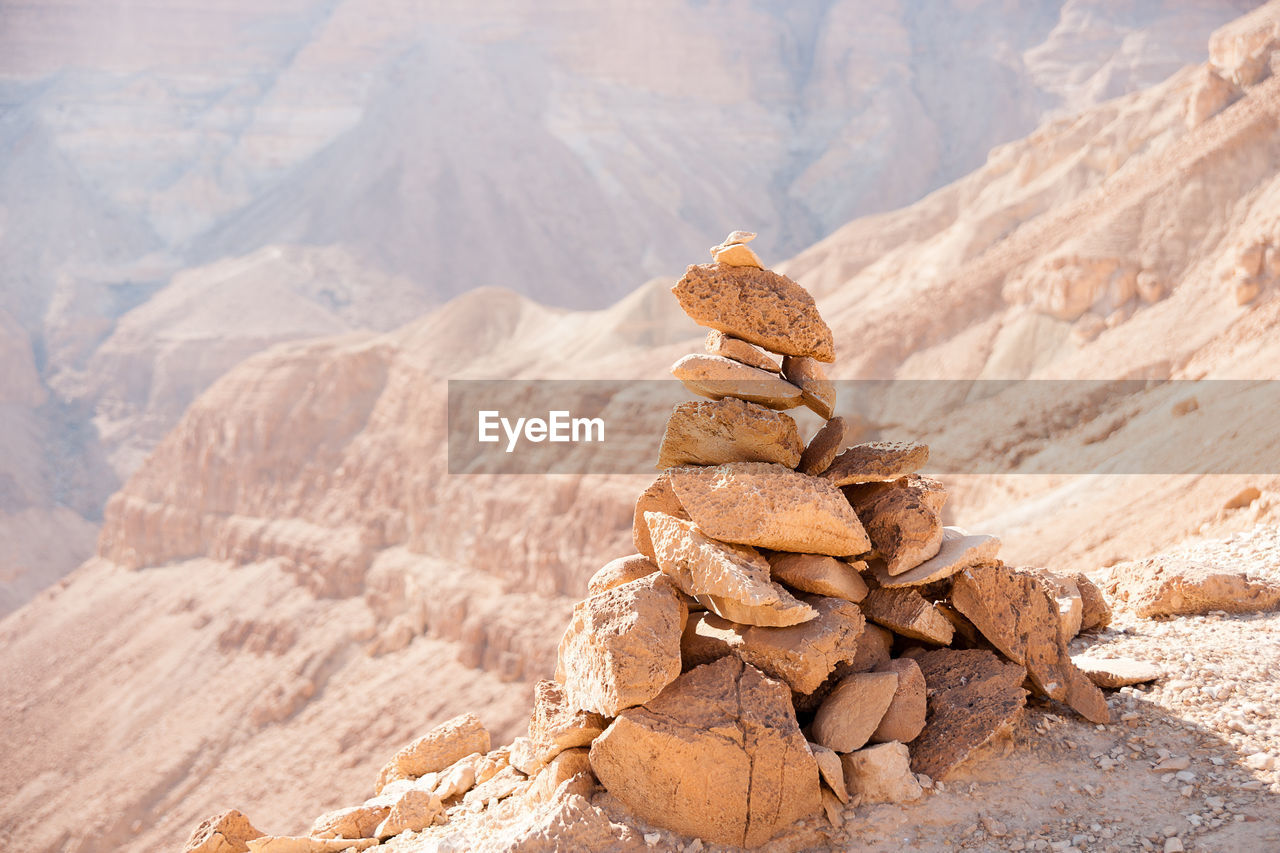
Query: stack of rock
x=797 y=631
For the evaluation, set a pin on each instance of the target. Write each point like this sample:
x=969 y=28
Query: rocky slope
x=307 y=486
x=152 y=161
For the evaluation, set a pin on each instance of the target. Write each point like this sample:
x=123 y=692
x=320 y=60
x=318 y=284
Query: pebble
x=1173 y=845
x=1260 y=761
x=652 y=839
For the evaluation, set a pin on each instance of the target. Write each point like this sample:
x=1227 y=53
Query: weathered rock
x=904 y=611
x=459 y=777
x=555 y=725
x=877 y=462
x=622 y=646
x=353 y=822
x=903 y=519
x=881 y=774
x=1116 y=672
x=620 y=571
x=658 y=497
x=225 y=832
x=833 y=807
x=730 y=580
x=493 y=762
x=297 y=844
x=1067 y=595
x=1095 y=611
x=759 y=306
x=736 y=255
x=817 y=390
x=717 y=755
x=567 y=765
x=567 y=821
x=769 y=506
x=436 y=750
x=906 y=714
x=830 y=771
x=973 y=698
x=716 y=377
x=496 y=789
x=718 y=343
x=801 y=655
x=1017 y=613
x=728 y=430
x=820 y=575
x=1164 y=586
x=846 y=719
x=873 y=649
x=525 y=756
x=958 y=551
x=413 y=812
x=823 y=447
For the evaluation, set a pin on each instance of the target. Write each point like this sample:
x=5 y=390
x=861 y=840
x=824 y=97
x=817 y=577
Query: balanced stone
x=959 y=550
x=848 y=717
x=718 y=343
x=820 y=574
x=816 y=389
x=877 y=462
x=728 y=430
x=903 y=519
x=716 y=377
x=906 y=612
x=823 y=447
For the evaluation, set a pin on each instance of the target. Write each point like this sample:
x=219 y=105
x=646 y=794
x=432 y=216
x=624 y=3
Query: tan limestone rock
x=877 y=462
x=569 y=822
x=555 y=725
x=495 y=789
x=716 y=377
x=731 y=580
x=413 y=812
x=820 y=575
x=1116 y=672
x=1016 y=611
x=622 y=646
x=973 y=698
x=300 y=844
x=728 y=430
x=830 y=771
x=958 y=551
x=620 y=571
x=881 y=774
x=817 y=390
x=225 y=832
x=493 y=762
x=1095 y=611
x=846 y=719
x=906 y=714
x=823 y=447
x=903 y=519
x=801 y=655
x=658 y=497
x=1070 y=602
x=459 y=777
x=437 y=749
x=525 y=756
x=566 y=766
x=718 y=343
x=759 y=306
x=353 y=822
x=736 y=255
x=1172 y=586
x=904 y=611
x=739 y=237
x=717 y=755
x=769 y=506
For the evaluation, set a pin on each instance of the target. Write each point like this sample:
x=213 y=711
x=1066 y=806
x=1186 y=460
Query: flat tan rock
x=823 y=447
x=717 y=377
x=830 y=770
x=555 y=725
x=820 y=574
x=622 y=646
x=298 y=844
x=353 y=822
x=756 y=305
x=903 y=519
x=1018 y=614
x=846 y=718
x=801 y=655
x=718 y=755
x=817 y=390
x=904 y=611
x=732 y=581
x=1070 y=602
x=973 y=698
x=620 y=571
x=718 y=343
x=1095 y=610
x=769 y=506
x=414 y=811
x=739 y=237
x=1117 y=672
x=1174 y=586
x=728 y=430
x=958 y=551
x=881 y=774
x=877 y=462
x=658 y=497
x=225 y=832
x=436 y=750
x=735 y=255
x=905 y=717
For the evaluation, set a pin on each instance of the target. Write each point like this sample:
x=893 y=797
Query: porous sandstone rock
x=816 y=389
x=846 y=719
x=414 y=811
x=769 y=506
x=904 y=611
x=823 y=447
x=436 y=750
x=622 y=646
x=717 y=755
x=728 y=430
x=1175 y=586
x=905 y=716
x=1095 y=610
x=902 y=518
x=877 y=462
x=353 y=822
x=958 y=551
x=572 y=764
x=716 y=377
x=225 y=832
x=820 y=574
x=658 y=497
x=1116 y=672
x=620 y=571
x=718 y=343
x=555 y=725
x=730 y=580
x=881 y=774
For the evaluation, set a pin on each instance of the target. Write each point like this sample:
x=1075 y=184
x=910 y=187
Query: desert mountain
x=292 y=586
x=271 y=171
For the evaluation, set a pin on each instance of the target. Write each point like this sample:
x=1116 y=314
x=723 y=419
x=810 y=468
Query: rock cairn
x=797 y=631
